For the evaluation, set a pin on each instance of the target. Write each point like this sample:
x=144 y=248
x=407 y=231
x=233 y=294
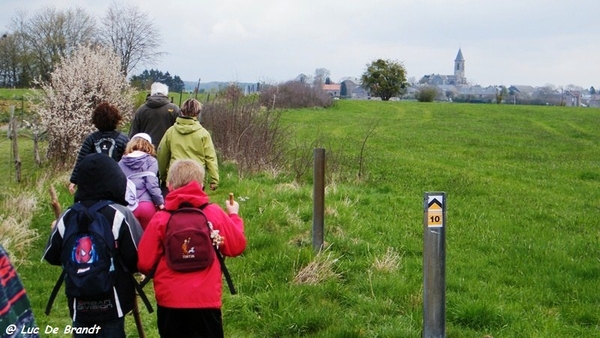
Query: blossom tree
x=64 y=104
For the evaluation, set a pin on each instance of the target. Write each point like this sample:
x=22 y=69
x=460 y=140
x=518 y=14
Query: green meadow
x=522 y=228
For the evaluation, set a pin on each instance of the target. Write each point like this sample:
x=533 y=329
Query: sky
x=508 y=42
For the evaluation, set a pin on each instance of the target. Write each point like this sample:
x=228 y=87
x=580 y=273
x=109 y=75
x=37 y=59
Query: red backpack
x=188 y=244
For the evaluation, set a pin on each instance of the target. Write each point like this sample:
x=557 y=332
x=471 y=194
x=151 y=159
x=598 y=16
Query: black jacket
x=101 y=179
x=154 y=118
x=88 y=147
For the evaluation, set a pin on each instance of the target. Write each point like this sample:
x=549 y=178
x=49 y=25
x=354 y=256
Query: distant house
x=332 y=89
x=521 y=90
x=359 y=93
x=347 y=86
x=594 y=101
x=478 y=93
x=573 y=98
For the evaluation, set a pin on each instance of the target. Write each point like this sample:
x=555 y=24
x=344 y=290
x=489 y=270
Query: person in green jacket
x=187 y=139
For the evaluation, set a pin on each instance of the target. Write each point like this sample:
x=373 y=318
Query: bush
x=294 y=94
x=427 y=94
x=243 y=132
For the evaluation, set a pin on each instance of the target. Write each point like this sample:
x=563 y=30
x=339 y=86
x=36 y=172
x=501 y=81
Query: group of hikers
x=168 y=231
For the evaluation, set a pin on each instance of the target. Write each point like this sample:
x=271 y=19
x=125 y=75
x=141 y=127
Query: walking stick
x=55 y=203
x=138 y=318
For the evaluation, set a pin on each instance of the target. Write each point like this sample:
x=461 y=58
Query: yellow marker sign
x=435 y=215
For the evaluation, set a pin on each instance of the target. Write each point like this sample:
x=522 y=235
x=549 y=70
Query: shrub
x=427 y=94
x=243 y=132
x=294 y=94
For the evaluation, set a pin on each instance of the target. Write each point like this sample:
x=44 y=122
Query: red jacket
x=200 y=289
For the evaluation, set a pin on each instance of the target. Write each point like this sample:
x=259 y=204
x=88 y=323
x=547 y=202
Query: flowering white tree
x=65 y=103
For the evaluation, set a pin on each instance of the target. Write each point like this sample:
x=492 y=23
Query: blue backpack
x=88 y=255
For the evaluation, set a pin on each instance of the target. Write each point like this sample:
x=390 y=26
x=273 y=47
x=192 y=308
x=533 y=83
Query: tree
x=344 y=89
x=81 y=81
x=9 y=61
x=384 y=78
x=15 y=61
x=592 y=90
x=144 y=80
x=52 y=34
x=131 y=35
x=501 y=93
x=321 y=75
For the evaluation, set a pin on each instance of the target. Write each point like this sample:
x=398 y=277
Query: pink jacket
x=200 y=289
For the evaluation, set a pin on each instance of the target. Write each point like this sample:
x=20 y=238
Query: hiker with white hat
x=140 y=166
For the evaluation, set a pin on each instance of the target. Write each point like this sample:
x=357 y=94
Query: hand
x=213 y=186
x=161 y=207
x=232 y=208
x=72 y=188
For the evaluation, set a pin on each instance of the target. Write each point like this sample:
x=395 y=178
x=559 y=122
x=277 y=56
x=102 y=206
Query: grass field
x=523 y=241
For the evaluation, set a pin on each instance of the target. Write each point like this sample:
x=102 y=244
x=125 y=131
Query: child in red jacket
x=189 y=303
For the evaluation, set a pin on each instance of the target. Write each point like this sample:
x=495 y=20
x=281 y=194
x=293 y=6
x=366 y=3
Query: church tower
x=459 y=68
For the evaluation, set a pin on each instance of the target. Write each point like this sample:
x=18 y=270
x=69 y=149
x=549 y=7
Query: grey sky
x=510 y=42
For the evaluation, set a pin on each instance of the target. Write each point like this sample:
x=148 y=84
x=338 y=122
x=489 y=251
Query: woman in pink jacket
x=189 y=303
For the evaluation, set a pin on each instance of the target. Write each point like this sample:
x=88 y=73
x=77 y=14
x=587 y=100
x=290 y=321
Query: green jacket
x=187 y=139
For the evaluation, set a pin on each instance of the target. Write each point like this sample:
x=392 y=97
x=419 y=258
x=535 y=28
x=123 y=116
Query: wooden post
x=15 y=143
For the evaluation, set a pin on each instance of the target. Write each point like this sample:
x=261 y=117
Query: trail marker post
x=318 y=198
x=434 y=265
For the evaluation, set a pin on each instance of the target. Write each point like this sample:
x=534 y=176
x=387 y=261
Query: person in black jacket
x=107 y=139
x=101 y=178
x=156 y=115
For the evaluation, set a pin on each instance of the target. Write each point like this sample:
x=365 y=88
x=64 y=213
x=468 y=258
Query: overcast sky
x=508 y=42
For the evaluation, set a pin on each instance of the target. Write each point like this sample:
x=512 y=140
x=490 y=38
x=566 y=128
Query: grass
x=522 y=232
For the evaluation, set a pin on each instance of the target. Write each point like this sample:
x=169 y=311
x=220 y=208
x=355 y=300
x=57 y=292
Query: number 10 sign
x=435 y=210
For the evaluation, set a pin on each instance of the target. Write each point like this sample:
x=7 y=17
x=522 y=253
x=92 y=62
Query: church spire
x=459 y=56
x=459 y=68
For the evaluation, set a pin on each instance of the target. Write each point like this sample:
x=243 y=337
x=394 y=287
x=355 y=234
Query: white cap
x=144 y=136
x=159 y=88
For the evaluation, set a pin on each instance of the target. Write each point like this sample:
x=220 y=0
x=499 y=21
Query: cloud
x=512 y=41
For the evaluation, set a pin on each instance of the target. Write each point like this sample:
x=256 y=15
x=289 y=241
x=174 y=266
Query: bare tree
x=81 y=81
x=53 y=34
x=131 y=35
x=321 y=75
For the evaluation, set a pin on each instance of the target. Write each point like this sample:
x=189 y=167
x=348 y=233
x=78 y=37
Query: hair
x=182 y=172
x=141 y=144
x=106 y=117
x=191 y=108
x=159 y=88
